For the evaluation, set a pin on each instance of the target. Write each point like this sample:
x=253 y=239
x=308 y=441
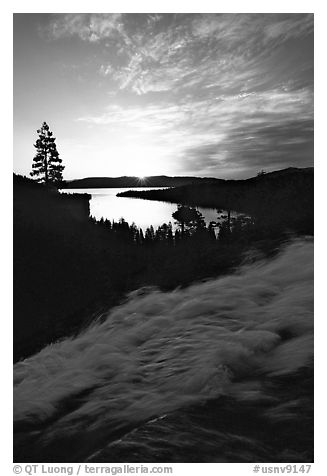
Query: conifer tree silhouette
x=188 y=217
x=47 y=165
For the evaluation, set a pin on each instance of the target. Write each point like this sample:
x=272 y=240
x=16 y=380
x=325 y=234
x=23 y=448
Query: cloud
x=232 y=132
x=88 y=27
x=289 y=27
x=271 y=130
x=182 y=52
x=105 y=70
x=248 y=147
x=216 y=91
x=209 y=50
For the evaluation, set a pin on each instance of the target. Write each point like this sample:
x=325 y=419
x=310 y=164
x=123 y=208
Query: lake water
x=105 y=204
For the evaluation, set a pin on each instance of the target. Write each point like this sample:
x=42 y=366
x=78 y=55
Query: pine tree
x=47 y=166
x=188 y=217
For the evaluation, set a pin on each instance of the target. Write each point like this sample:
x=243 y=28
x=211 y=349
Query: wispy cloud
x=170 y=52
x=244 y=129
x=88 y=27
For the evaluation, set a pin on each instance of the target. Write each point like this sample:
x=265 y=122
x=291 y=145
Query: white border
x=60 y=6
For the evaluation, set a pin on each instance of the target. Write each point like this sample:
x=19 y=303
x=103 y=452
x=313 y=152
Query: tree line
x=190 y=227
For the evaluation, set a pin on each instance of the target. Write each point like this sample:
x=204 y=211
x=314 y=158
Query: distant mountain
x=125 y=182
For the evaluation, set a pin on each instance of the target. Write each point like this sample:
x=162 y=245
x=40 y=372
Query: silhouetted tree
x=188 y=217
x=164 y=234
x=149 y=235
x=224 y=231
x=47 y=165
x=170 y=237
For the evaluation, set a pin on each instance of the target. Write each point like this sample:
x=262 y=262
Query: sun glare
x=140 y=162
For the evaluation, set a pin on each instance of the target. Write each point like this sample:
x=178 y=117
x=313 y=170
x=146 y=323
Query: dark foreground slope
x=51 y=257
x=277 y=200
x=220 y=371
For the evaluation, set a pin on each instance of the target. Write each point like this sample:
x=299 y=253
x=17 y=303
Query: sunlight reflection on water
x=105 y=204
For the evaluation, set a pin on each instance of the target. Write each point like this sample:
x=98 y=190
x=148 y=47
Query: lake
x=144 y=213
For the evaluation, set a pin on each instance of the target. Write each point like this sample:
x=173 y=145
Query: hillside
x=278 y=199
x=124 y=182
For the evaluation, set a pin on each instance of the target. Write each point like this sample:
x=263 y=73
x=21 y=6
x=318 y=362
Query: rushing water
x=219 y=371
x=105 y=204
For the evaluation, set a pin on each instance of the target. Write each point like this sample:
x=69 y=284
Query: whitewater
x=220 y=371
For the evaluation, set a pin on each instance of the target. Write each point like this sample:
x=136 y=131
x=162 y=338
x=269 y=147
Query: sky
x=212 y=95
